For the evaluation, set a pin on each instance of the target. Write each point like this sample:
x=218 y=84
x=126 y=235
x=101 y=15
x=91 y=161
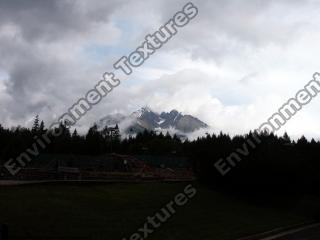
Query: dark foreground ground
x=115 y=211
x=306 y=233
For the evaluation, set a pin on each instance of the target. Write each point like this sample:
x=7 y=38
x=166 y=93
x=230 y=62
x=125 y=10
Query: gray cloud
x=224 y=65
x=55 y=20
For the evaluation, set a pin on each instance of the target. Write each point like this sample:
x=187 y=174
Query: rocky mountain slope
x=145 y=118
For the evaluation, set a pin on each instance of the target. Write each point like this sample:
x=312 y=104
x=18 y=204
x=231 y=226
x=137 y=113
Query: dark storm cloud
x=54 y=19
x=30 y=31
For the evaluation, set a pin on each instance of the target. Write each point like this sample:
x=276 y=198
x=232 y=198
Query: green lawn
x=114 y=211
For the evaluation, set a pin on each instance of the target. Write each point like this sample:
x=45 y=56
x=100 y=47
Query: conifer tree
x=35 y=126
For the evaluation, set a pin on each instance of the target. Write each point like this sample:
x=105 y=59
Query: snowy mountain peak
x=141 y=111
x=146 y=109
x=146 y=119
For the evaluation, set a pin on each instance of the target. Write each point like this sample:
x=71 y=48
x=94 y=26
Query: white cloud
x=233 y=66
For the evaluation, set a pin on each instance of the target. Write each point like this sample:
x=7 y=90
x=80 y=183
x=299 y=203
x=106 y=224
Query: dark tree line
x=277 y=163
x=95 y=142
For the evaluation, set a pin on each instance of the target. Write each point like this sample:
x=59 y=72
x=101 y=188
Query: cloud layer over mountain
x=172 y=122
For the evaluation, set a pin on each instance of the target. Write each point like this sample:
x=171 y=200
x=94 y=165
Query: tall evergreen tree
x=35 y=126
x=42 y=127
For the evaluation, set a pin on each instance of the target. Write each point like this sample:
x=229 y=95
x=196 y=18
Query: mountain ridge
x=147 y=119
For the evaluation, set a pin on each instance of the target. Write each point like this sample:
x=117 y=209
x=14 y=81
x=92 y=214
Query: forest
x=278 y=163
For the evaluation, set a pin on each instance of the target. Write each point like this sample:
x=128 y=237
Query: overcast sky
x=232 y=66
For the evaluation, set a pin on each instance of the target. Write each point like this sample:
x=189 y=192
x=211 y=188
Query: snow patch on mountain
x=145 y=118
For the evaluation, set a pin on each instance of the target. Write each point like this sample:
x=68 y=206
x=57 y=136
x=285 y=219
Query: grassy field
x=115 y=211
